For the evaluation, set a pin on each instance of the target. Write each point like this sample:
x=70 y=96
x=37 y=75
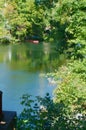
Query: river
x=21 y=71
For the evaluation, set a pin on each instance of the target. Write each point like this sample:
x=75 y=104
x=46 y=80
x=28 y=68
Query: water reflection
x=21 y=67
x=31 y=57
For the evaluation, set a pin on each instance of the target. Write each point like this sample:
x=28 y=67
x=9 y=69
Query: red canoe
x=34 y=41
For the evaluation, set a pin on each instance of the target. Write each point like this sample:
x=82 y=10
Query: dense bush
x=44 y=114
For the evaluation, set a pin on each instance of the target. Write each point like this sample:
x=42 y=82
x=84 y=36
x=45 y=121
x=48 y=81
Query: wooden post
x=0 y=105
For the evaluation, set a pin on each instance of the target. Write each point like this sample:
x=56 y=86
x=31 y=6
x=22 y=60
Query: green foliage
x=71 y=15
x=71 y=91
x=44 y=114
x=65 y=19
x=71 y=87
x=28 y=20
x=23 y=18
x=46 y=3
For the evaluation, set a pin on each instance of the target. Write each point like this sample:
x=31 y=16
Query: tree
x=24 y=19
x=70 y=26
